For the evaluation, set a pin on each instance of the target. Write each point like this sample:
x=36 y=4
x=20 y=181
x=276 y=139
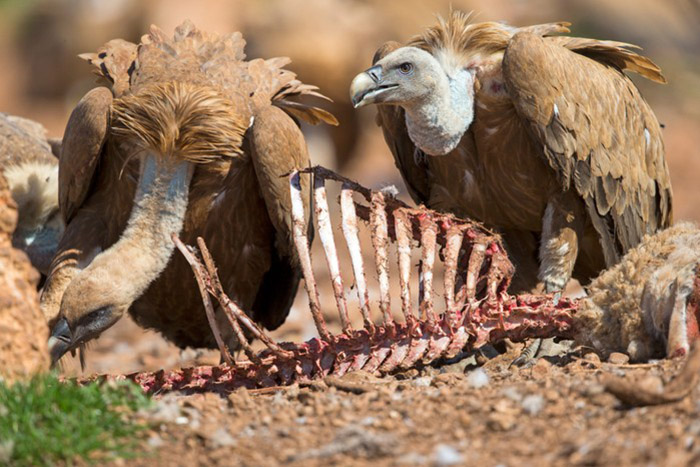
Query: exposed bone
x=325 y=232
x=380 y=238
x=476 y=261
x=208 y=307
x=517 y=318
x=402 y=227
x=393 y=345
x=453 y=244
x=350 y=232
x=428 y=230
x=302 y=244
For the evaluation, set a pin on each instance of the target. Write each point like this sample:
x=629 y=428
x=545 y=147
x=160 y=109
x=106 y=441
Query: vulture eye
x=406 y=68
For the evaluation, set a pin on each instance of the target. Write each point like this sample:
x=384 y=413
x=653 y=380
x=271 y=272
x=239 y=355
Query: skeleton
x=476 y=309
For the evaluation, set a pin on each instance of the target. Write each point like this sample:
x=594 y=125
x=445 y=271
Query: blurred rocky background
x=329 y=41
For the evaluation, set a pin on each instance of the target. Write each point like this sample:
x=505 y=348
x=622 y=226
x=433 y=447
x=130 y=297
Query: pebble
x=533 y=404
x=501 y=421
x=478 y=378
x=512 y=393
x=592 y=357
x=155 y=441
x=423 y=381
x=166 y=410
x=222 y=438
x=617 y=358
x=446 y=455
x=541 y=368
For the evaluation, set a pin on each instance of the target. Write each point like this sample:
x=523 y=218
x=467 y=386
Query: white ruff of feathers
x=437 y=123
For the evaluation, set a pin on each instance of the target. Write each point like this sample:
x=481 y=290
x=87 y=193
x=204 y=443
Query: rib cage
x=476 y=308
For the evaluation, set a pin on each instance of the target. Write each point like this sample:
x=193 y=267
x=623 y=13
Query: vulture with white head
x=186 y=137
x=542 y=137
x=30 y=166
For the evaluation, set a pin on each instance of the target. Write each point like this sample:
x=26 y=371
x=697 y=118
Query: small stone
x=501 y=421
x=592 y=357
x=541 y=368
x=448 y=379
x=618 y=358
x=512 y=393
x=423 y=381
x=533 y=404
x=222 y=438
x=478 y=378
x=155 y=441
x=446 y=455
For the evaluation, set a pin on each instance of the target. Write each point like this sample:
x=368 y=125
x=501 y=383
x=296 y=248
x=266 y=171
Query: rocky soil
x=555 y=413
x=23 y=329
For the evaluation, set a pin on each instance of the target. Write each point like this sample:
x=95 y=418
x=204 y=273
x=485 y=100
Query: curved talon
x=527 y=357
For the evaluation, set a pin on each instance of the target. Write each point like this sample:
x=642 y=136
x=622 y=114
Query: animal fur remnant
x=28 y=162
x=187 y=137
x=540 y=136
x=475 y=310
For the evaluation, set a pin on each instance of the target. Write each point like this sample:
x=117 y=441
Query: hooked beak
x=90 y=326
x=366 y=86
x=60 y=340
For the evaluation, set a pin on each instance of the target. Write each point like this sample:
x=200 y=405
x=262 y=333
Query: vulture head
x=34 y=187
x=100 y=294
x=438 y=98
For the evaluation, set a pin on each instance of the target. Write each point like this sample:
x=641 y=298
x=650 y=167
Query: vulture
x=30 y=167
x=188 y=137
x=541 y=137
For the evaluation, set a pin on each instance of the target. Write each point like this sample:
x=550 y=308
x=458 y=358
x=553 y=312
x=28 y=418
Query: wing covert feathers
x=598 y=134
x=83 y=142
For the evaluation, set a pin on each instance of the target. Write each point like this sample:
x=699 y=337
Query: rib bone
x=479 y=312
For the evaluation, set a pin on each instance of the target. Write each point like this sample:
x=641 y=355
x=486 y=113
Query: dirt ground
x=555 y=413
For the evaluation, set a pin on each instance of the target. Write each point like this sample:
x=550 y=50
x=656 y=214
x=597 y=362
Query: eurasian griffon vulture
x=30 y=167
x=186 y=137
x=542 y=137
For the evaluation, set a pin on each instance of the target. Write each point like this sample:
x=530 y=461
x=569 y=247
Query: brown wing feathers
x=597 y=132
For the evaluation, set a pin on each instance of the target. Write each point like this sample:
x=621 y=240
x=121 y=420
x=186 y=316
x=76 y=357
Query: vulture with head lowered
x=186 y=137
x=542 y=137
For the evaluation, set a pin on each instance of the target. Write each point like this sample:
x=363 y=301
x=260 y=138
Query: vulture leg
x=562 y=230
x=278 y=148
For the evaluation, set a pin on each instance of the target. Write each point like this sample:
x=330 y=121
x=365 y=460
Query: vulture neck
x=437 y=122
x=144 y=249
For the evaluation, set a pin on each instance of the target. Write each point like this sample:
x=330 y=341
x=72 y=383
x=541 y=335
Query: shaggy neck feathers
x=181 y=120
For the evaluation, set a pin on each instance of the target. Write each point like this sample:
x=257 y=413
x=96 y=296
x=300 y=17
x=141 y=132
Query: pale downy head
x=34 y=187
x=438 y=99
